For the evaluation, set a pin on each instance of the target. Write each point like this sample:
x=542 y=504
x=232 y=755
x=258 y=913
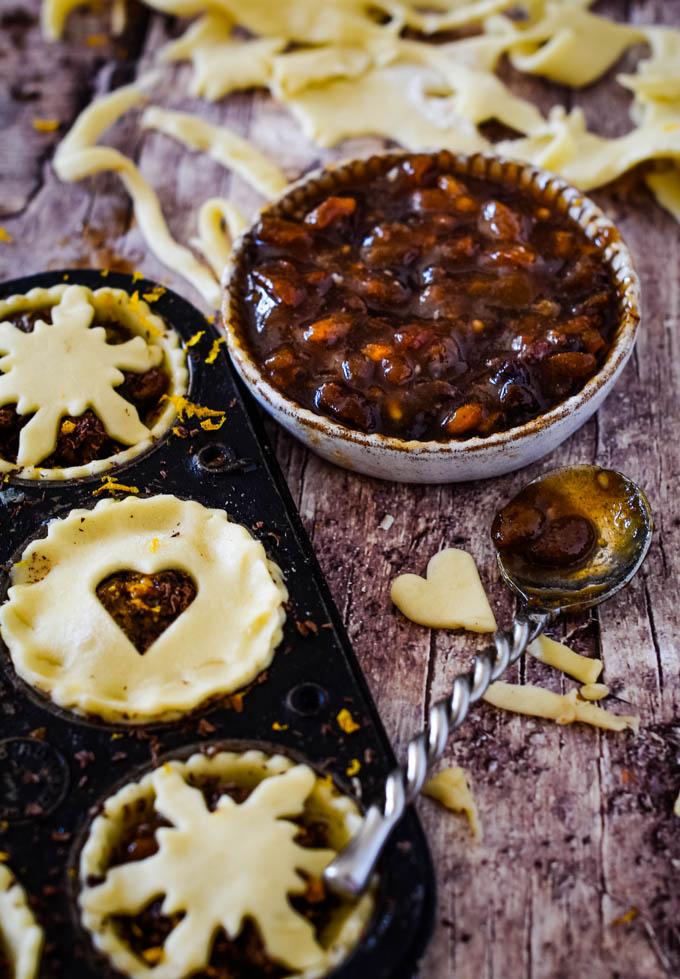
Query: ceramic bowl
x=456 y=460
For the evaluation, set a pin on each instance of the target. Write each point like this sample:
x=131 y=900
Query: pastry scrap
x=451 y=787
x=352 y=69
x=83 y=378
x=21 y=938
x=213 y=867
x=221 y=144
x=142 y=609
x=556 y=654
x=563 y=708
x=451 y=596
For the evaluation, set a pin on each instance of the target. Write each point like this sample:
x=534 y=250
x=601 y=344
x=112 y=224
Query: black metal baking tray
x=55 y=768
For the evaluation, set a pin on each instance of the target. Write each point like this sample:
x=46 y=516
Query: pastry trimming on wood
x=451 y=596
x=21 y=938
x=84 y=379
x=215 y=864
x=146 y=564
x=521 y=698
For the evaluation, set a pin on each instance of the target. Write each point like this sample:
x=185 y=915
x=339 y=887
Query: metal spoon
x=599 y=552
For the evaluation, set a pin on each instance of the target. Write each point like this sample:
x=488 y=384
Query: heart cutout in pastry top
x=144 y=605
x=450 y=597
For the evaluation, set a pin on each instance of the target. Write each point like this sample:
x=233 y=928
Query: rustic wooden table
x=578 y=872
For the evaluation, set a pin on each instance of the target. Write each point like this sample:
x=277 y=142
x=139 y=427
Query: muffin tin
x=56 y=768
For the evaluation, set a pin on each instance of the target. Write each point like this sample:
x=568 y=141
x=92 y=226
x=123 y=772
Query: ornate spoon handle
x=350 y=872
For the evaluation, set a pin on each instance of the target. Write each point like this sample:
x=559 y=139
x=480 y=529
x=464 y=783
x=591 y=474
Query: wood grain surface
x=578 y=872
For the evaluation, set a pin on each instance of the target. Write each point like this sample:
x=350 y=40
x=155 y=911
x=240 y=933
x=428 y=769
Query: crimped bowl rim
x=556 y=192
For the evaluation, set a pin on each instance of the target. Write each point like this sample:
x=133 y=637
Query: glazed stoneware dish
x=431 y=317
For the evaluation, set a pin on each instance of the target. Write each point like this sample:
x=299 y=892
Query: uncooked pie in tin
x=213 y=867
x=21 y=938
x=142 y=609
x=86 y=380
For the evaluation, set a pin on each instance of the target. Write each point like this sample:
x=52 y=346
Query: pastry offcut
x=86 y=380
x=21 y=938
x=213 y=867
x=142 y=609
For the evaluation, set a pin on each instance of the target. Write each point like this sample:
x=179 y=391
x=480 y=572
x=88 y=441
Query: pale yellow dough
x=556 y=654
x=451 y=788
x=20 y=934
x=65 y=367
x=450 y=597
x=563 y=708
x=221 y=144
x=64 y=643
x=345 y=70
x=219 y=867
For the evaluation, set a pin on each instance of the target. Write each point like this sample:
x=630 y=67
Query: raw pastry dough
x=563 y=708
x=222 y=866
x=451 y=788
x=450 y=597
x=556 y=654
x=77 y=156
x=64 y=643
x=221 y=144
x=20 y=935
x=65 y=367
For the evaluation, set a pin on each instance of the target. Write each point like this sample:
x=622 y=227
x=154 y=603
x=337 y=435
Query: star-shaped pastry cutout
x=219 y=867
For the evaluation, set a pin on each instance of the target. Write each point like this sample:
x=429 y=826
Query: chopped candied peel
x=346 y=722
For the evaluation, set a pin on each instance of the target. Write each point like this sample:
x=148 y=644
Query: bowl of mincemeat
x=431 y=317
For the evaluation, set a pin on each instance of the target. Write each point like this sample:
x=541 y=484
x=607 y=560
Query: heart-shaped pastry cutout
x=144 y=605
x=450 y=597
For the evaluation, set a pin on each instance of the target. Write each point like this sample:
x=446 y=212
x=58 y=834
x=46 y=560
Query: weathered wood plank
x=578 y=824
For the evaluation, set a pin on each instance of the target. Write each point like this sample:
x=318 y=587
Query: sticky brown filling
x=424 y=305
x=142 y=605
x=539 y=527
x=245 y=956
x=83 y=439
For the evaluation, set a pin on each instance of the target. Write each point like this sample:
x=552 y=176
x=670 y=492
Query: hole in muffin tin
x=307 y=699
x=216 y=457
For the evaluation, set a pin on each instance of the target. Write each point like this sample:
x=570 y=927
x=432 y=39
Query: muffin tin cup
x=429 y=461
x=57 y=768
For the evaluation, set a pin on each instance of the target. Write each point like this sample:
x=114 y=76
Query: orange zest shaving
x=187 y=409
x=110 y=485
x=353 y=767
x=346 y=722
x=46 y=125
x=214 y=350
x=5 y=236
